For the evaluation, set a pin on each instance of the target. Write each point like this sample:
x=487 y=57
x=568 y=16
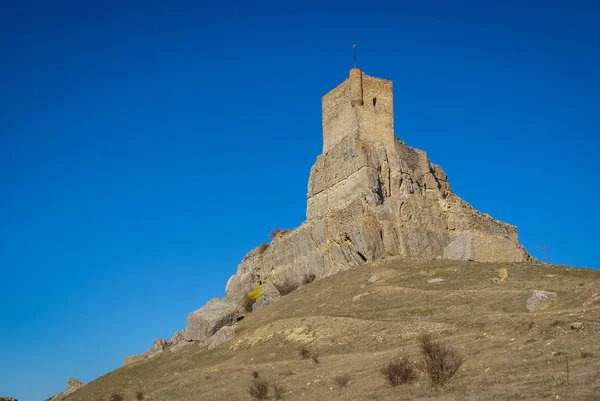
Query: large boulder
x=268 y=294
x=540 y=300
x=206 y=321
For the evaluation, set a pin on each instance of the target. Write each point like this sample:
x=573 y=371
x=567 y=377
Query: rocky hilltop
x=370 y=196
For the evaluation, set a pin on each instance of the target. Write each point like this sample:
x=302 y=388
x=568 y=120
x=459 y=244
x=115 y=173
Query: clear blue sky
x=145 y=147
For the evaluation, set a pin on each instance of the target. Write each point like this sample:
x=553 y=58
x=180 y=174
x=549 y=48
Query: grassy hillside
x=357 y=327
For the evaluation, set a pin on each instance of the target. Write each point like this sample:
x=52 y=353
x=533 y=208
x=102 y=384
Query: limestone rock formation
x=206 y=321
x=371 y=196
x=269 y=293
x=223 y=335
x=158 y=346
x=73 y=385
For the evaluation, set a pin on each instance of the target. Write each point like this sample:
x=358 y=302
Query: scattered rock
x=268 y=294
x=540 y=300
x=206 y=321
x=220 y=337
x=576 y=326
x=373 y=278
x=73 y=385
x=435 y=280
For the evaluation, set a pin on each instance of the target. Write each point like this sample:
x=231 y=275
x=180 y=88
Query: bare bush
x=116 y=397
x=259 y=389
x=278 y=391
x=399 y=372
x=248 y=302
x=308 y=278
x=439 y=362
x=315 y=358
x=286 y=286
x=255 y=374
x=277 y=231
x=139 y=395
x=342 y=380
x=304 y=353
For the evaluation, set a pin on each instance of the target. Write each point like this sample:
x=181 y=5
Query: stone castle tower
x=362 y=106
x=371 y=196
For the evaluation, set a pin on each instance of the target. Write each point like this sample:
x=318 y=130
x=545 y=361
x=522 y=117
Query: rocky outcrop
x=206 y=321
x=371 y=196
x=158 y=346
x=223 y=335
x=178 y=337
x=72 y=386
x=269 y=293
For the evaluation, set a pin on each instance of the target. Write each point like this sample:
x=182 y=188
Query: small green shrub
x=256 y=292
x=399 y=372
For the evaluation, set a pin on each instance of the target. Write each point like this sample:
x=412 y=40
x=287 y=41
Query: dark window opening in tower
x=374 y=101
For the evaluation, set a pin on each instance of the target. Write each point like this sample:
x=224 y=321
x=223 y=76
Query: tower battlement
x=361 y=106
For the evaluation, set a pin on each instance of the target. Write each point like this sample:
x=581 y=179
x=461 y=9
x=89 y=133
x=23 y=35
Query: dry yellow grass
x=358 y=327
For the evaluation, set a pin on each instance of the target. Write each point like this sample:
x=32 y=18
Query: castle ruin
x=371 y=196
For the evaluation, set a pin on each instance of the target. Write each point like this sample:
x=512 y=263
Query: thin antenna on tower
x=354 y=48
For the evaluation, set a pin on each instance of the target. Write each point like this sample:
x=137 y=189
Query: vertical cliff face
x=371 y=196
